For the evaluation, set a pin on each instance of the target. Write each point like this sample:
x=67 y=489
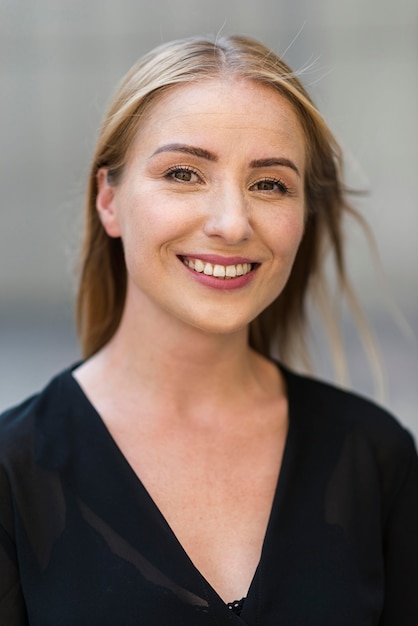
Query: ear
x=106 y=204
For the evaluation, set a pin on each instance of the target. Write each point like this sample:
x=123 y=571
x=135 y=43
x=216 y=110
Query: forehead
x=222 y=107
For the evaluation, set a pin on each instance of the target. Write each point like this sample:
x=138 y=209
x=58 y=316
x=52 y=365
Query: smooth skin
x=216 y=170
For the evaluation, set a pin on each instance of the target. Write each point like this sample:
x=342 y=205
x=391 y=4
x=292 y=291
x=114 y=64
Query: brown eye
x=266 y=185
x=270 y=185
x=185 y=175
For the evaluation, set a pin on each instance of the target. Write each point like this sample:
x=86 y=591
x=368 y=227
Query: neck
x=175 y=364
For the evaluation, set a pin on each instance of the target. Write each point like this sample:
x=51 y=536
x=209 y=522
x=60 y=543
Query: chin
x=220 y=327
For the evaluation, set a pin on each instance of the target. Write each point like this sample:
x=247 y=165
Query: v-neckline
x=252 y=592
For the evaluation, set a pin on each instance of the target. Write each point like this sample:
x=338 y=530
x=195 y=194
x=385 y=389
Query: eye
x=271 y=185
x=183 y=174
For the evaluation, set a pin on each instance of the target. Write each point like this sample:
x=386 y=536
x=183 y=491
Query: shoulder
x=348 y=410
x=21 y=426
x=332 y=414
x=349 y=432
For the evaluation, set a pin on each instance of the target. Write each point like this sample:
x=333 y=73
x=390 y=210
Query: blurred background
x=59 y=64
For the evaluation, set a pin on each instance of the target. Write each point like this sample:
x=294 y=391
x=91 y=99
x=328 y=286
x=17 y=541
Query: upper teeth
x=220 y=271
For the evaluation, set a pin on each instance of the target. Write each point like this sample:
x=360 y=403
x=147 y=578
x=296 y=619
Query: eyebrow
x=210 y=156
x=272 y=161
x=184 y=148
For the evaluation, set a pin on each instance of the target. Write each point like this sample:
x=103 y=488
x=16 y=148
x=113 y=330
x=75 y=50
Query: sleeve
x=12 y=605
x=401 y=552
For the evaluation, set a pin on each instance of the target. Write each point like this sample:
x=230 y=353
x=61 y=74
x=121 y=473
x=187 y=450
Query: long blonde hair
x=281 y=328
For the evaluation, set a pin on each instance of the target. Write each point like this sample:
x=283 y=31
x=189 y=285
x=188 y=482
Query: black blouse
x=83 y=544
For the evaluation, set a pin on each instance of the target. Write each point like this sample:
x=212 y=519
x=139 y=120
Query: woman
x=179 y=475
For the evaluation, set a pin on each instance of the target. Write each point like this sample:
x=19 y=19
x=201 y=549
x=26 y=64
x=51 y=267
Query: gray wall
x=59 y=63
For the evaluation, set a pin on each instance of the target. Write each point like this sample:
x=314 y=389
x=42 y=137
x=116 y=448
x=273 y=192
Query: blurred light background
x=59 y=64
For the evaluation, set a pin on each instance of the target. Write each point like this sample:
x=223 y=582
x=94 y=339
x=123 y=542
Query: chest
x=111 y=558
x=215 y=495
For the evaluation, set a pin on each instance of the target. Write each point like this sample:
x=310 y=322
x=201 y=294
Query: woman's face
x=210 y=207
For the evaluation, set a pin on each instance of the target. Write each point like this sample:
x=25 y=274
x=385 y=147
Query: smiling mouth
x=223 y=272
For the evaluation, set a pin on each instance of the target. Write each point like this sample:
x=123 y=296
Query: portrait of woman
x=183 y=473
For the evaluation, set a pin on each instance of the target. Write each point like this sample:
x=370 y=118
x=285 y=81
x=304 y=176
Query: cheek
x=287 y=234
x=155 y=227
x=149 y=225
x=296 y=232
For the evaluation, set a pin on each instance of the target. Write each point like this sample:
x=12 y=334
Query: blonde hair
x=281 y=328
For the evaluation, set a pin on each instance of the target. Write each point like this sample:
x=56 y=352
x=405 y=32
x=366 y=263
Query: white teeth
x=219 y=271
x=199 y=266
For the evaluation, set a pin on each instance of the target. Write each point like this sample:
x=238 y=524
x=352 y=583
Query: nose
x=228 y=215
